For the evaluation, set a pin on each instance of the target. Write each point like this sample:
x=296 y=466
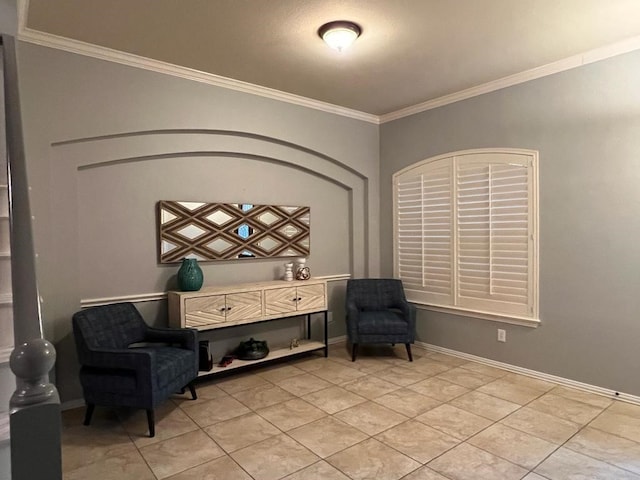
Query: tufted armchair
x=378 y=312
x=115 y=372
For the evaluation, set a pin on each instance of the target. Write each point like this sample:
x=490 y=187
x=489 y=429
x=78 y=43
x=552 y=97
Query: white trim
x=158 y=296
x=335 y=340
x=138 y=298
x=627 y=397
x=584 y=58
x=103 y=53
x=335 y=278
x=511 y=319
x=77 y=403
x=71 y=404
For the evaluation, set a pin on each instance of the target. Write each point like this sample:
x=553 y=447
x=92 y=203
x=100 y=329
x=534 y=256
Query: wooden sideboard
x=228 y=306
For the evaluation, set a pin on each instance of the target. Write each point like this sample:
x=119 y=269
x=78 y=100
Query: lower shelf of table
x=304 y=346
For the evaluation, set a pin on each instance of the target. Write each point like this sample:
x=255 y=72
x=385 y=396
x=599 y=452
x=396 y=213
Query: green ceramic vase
x=190 y=276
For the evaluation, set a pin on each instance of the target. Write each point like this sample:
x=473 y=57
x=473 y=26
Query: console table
x=228 y=306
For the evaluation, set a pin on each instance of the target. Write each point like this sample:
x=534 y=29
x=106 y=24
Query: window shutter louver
x=424 y=226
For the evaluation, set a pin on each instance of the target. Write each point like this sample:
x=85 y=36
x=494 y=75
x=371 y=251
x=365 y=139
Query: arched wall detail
x=72 y=160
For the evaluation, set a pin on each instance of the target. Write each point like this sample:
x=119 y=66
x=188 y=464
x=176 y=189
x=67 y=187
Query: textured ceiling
x=410 y=51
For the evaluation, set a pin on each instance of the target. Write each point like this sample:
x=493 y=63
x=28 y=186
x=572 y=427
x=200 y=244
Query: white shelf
x=304 y=346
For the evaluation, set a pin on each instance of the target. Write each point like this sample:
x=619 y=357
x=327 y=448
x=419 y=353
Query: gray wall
x=8 y=17
x=586 y=125
x=106 y=142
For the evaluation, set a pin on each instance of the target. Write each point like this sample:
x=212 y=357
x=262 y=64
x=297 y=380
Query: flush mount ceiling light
x=339 y=35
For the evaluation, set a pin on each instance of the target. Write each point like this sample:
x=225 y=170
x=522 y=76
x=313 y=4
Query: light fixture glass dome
x=339 y=35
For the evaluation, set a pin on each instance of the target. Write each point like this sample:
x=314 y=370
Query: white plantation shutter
x=424 y=229
x=465 y=232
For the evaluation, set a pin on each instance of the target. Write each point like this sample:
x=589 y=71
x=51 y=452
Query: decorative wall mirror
x=224 y=231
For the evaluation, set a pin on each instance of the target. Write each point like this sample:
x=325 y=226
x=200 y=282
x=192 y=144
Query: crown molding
x=75 y=46
x=574 y=61
x=129 y=59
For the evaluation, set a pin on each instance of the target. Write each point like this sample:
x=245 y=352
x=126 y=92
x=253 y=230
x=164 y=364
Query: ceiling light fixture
x=339 y=35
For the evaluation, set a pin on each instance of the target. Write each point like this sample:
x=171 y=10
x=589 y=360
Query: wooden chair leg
x=354 y=352
x=408 y=345
x=192 y=389
x=152 y=422
x=87 y=416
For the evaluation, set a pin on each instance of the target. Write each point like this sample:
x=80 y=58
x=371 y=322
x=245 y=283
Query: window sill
x=511 y=319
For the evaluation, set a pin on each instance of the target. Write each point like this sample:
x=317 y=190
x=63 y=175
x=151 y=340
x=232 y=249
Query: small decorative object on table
x=294 y=343
x=190 y=276
x=288 y=271
x=252 y=350
x=205 y=357
x=226 y=360
x=302 y=271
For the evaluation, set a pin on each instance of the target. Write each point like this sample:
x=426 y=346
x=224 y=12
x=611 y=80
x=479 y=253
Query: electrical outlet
x=502 y=335
x=329 y=317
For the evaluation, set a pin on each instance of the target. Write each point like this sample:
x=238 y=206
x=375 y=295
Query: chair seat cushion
x=385 y=322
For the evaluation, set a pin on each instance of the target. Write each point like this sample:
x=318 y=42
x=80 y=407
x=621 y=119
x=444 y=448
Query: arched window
x=465 y=233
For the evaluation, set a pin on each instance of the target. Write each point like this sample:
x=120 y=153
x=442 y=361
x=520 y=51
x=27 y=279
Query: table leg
x=326 y=335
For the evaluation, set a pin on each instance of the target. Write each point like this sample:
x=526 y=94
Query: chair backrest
x=108 y=326
x=375 y=293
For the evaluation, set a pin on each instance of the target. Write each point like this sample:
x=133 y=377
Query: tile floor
x=379 y=418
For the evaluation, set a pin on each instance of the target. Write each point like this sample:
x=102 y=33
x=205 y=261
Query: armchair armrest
x=186 y=337
x=353 y=313
x=408 y=310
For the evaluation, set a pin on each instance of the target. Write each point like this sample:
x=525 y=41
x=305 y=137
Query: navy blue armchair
x=378 y=312
x=121 y=366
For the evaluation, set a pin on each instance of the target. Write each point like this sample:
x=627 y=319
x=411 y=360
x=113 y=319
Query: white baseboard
x=71 y=404
x=77 y=403
x=334 y=340
x=534 y=374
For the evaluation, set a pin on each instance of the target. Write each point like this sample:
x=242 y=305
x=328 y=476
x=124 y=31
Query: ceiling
x=410 y=51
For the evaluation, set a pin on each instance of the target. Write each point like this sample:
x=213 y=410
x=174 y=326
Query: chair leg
x=152 y=422
x=354 y=352
x=408 y=345
x=192 y=389
x=87 y=416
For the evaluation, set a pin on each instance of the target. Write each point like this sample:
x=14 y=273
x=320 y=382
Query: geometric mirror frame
x=225 y=231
